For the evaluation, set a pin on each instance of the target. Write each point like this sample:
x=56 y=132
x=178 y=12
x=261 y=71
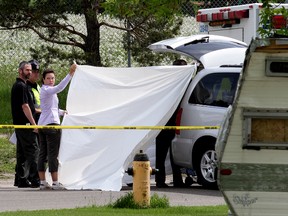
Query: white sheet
x=147 y=96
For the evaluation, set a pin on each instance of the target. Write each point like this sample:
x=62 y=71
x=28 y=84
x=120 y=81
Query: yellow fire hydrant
x=141 y=172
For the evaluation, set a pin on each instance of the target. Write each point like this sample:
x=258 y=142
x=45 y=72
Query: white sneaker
x=45 y=186
x=58 y=186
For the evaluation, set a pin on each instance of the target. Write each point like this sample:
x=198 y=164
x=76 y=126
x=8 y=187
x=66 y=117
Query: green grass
x=5 y=95
x=7 y=158
x=127 y=201
x=103 y=211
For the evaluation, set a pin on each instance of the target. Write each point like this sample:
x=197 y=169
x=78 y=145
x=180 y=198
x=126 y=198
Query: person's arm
x=62 y=112
x=61 y=86
x=28 y=114
x=37 y=110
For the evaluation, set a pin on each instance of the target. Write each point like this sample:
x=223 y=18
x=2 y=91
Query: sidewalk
x=13 y=198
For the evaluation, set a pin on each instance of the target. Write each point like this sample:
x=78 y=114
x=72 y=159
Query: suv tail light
x=178 y=119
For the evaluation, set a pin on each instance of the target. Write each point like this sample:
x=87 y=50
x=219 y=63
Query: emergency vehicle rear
x=239 y=22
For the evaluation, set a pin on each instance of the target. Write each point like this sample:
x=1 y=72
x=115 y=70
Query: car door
x=209 y=50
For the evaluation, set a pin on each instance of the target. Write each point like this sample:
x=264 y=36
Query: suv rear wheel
x=206 y=167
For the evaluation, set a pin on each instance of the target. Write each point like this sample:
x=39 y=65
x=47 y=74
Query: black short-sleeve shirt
x=19 y=96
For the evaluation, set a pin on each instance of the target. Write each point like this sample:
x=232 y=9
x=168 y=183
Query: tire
x=206 y=167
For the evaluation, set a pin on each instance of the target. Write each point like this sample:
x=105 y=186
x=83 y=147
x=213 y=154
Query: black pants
x=27 y=152
x=163 y=144
x=49 y=149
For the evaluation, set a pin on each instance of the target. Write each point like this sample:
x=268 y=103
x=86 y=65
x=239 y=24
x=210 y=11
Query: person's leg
x=54 y=176
x=177 y=175
x=42 y=154
x=42 y=175
x=42 y=160
x=53 y=144
x=19 y=167
x=21 y=170
x=53 y=141
x=161 y=152
x=31 y=152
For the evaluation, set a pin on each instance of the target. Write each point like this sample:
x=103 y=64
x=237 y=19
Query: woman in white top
x=50 y=138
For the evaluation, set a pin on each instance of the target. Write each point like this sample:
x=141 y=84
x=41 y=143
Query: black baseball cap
x=35 y=64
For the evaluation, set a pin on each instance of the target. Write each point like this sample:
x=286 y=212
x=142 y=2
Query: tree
x=48 y=19
x=147 y=34
x=267 y=24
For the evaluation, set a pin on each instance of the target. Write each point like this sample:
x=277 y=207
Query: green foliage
x=127 y=201
x=5 y=92
x=270 y=9
x=50 y=21
x=126 y=9
x=142 y=19
x=7 y=157
x=55 y=55
x=149 y=33
x=159 y=202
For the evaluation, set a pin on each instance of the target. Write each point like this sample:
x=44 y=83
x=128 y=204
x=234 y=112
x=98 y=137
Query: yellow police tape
x=110 y=127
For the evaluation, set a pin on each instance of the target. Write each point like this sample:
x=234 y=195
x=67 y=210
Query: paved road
x=13 y=199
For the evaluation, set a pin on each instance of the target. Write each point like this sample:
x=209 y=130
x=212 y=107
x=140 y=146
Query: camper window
x=265 y=129
x=276 y=66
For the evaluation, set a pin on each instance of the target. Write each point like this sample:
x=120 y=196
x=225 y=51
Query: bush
x=127 y=201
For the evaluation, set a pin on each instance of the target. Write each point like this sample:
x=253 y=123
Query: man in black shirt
x=27 y=149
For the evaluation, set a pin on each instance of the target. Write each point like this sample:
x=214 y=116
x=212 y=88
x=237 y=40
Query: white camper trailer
x=252 y=146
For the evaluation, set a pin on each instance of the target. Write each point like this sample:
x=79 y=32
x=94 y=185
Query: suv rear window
x=217 y=89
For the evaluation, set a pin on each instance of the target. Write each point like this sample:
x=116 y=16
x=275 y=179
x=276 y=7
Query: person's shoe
x=45 y=186
x=58 y=186
x=180 y=185
x=24 y=184
x=35 y=184
x=161 y=185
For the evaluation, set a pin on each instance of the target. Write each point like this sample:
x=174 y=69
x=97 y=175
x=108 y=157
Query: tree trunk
x=92 y=43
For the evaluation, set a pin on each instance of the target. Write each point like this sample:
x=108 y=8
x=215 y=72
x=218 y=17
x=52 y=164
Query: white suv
x=204 y=104
x=206 y=100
